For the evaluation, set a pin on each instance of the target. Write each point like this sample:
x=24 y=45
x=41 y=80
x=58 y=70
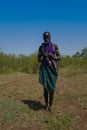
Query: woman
x=48 y=55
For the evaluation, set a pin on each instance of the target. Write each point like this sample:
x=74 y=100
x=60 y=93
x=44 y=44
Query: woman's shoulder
x=55 y=46
x=41 y=46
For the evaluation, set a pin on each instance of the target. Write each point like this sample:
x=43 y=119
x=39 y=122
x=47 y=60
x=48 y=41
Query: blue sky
x=22 y=23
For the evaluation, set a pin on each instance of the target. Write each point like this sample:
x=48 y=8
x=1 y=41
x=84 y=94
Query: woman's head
x=46 y=36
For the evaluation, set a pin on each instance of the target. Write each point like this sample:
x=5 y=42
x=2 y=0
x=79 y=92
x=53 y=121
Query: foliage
x=73 y=61
x=11 y=63
x=82 y=53
x=29 y=64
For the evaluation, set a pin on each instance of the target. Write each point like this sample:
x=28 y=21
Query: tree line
x=29 y=64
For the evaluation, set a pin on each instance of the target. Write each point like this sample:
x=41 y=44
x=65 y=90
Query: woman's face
x=46 y=38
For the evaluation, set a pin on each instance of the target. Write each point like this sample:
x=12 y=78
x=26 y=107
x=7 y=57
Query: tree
x=82 y=53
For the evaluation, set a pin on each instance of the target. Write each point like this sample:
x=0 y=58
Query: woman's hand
x=50 y=55
x=45 y=54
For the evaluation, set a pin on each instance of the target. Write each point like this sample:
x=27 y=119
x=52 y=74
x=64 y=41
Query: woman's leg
x=51 y=98
x=46 y=98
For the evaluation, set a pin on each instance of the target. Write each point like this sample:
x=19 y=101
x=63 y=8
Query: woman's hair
x=46 y=35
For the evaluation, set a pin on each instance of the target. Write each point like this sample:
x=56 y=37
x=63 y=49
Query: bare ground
x=25 y=90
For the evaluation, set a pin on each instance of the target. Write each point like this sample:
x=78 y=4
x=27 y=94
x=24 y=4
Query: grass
x=12 y=111
x=9 y=109
x=22 y=104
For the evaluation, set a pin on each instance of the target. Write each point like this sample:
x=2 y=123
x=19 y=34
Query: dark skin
x=55 y=56
x=41 y=57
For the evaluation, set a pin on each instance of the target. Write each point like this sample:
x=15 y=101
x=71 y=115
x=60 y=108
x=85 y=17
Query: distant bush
x=73 y=61
x=11 y=63
x=29 y=64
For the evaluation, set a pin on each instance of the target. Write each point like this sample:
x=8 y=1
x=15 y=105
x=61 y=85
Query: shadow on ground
x=35 y=105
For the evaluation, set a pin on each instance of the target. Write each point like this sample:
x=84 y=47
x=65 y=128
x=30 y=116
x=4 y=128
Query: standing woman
x=48 y=55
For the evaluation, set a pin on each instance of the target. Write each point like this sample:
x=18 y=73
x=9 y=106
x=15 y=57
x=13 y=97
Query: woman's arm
x=56 y=55
x=40 y=56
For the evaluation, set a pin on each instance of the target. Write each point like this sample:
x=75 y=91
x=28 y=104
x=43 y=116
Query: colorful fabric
x=48 y=69
x=48 y=77
x=49 y=49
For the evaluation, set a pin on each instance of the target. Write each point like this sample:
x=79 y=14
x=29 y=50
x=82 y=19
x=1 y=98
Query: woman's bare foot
x=50 y=109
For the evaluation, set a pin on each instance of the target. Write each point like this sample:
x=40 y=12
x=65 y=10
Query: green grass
x=60 y=121
x=13 y=111
x=22 y=103
x=10 y=110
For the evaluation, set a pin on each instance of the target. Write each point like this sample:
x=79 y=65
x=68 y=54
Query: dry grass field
x=22 y=104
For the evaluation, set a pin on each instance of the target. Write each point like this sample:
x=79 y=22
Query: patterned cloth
x=48 y=77
x=48 y=73
x=49 y=49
